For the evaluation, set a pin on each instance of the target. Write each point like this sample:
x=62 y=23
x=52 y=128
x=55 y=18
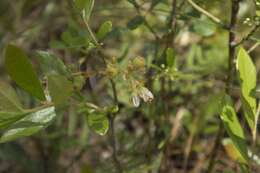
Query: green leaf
x=35 y=122
x=104 y=29
x=135 y=22
x=247 y=75
x=98 y=122
x=50 y=64
x=233 y=127
x=170 y=57
x=86 y=6
x=60 y=89
x=21 y=71
x=8 y=99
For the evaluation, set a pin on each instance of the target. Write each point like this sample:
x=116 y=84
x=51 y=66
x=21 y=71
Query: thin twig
x=92 y=35
x=209 y=15
x=253 y=47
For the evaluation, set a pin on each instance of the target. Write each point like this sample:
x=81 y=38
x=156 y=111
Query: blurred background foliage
x=186 y=91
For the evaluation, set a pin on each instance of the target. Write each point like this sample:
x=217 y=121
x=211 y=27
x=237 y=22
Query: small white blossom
x=146 y=94
x=136 y=100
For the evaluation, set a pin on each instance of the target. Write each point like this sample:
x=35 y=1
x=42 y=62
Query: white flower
x=142 y=93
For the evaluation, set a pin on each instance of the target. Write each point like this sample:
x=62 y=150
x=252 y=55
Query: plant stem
x=172 y=24
x=229 y=79
x=112 y=130
x=92 y=35
x=112 y=138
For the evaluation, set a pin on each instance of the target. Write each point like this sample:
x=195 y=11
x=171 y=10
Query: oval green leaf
x=21 y=71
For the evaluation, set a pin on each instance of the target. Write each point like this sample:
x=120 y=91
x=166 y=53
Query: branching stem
x=229 y=79
x=110 y=116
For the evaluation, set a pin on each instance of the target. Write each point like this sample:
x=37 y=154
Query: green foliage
x=247 y=76
x=233 y=127
x=141 y=95
x=98 y=122
x=8 y=98
x=50 y=64
x=104 y=29
x=9 y=118
x=21 y=71
x=30 y=124
x=56 y=84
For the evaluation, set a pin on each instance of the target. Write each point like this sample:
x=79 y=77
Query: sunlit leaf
x=21 y=71
x=247 y=75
